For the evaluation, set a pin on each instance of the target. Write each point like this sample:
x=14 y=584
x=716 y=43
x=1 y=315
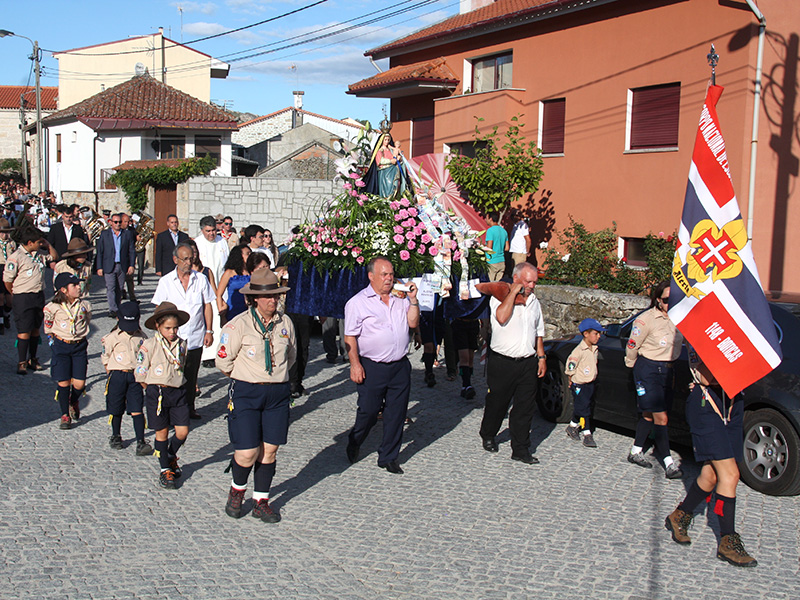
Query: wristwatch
x=542 y=357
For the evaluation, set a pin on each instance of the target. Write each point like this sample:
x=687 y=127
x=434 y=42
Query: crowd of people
x=219 y=302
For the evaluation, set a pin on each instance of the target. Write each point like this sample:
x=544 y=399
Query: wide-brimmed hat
x=128 y=316
x=263 y=283
x=163 y=309
x=76 y=247
x=5 y=226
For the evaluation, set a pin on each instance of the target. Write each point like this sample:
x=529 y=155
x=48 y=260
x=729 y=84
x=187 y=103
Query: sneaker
x=65 y=423
x=639 y=459
x=430 y=379
x=262 y=510
x=34 y=365
x=174 y=467
x=573 y=433
x=588 y=440
x=167 y=479
x=233 y=507
x=731 y=549
x=677 y=523
x=143 y=448
x=22 y=368
x=75 y=411
x=673 y=472
x=115 y=442
x=468 y=392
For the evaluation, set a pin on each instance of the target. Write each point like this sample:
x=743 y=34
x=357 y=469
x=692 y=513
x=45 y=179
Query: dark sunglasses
x=116 y=221
x=228 y=223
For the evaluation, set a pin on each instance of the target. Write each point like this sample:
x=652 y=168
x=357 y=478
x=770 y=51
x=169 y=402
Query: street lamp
x=35 y=58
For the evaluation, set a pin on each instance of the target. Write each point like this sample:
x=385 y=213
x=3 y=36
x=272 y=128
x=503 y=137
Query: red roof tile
x=305 y=112
x=495 y=13
x=9 y=97
x=427 y=71
x=143 y=102
x=149 y=164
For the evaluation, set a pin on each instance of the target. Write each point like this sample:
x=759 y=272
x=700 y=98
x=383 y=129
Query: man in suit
x=115 y=259
x=64 y=231
x=165 y=246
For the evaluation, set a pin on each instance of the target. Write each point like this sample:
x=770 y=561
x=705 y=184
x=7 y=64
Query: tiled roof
x=500 y=11
x=305 y=112
x=149 y=164
x=427 y=71
x=143 y=102
x=9 y=97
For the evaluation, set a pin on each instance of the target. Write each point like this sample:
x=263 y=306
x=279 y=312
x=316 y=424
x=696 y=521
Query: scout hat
x=128 y=316
x=163 y=309
x=4 y=226
x=76 y=247
x=64 y=279
x=263 y=283
x=588 y=324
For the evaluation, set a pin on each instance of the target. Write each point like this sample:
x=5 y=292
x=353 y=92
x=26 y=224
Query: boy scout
x=7 y=248
x=582 y=371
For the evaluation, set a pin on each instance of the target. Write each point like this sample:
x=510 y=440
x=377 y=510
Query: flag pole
x=713 y=59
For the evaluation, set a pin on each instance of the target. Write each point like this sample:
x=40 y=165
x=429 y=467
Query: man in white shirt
x=191 y=292
x=520 y=245
x=516 y=363
x=213 y=252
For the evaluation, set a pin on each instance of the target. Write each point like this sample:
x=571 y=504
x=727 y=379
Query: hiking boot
x=673 y=472
x=262 y=510
x=677 y=523
x=639 y=459
x=143 y=448
x=65 y=423
x=22 y=368
x=233 y=507
x=468 y=392
x=588 y=440
x=167 y=479
x=75 y=411
x=430 y=379
x=174 y=467
x=115 y=442
x=34 y=365
x=573 y=432
x=732 y=550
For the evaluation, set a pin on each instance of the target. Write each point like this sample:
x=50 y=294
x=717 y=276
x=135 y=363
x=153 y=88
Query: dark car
x=771 y=461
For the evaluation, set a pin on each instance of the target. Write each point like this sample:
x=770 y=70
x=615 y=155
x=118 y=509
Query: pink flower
x=360 y=201
x=433 y=251
x=403 y=213
x=421 y=249
x=457 y=255
x=348 y=186
x=315 y=253
x=426 y=238
x=409 y=222
x=453 y=245
x=394 y=206
x=356 y=250
x=418 y=230
x=353 y=193
x=360 y=260
x=397 y=217
x=344 y=252
x=411 y=244
x=398 y=239
x=412 y=211
x=398 y=229
x=404 y=254
x=362 y=197
x=353 y=176
x=404 y=201
x=339 y=242
x=410 y=235
x=360 y=183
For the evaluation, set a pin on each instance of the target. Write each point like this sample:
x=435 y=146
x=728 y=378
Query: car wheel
x=771 y=462
x=555 y=399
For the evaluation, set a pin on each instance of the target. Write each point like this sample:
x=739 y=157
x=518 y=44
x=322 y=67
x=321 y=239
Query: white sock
x=636 y=449
x=260 y=496
x=586 y=432
x=573 y=424
x=238 y=487
x=668 y=461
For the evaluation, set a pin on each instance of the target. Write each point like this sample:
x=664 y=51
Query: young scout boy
x=582 y=371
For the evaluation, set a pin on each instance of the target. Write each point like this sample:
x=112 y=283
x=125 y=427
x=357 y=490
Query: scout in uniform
x=24 y=278
x=120 y=348
x=7 y=248
x=652 y=349
x=582 y=371
x=257 y=349
x=159 y=369
x=66 y=321
x=716 y=423
x=75 y=261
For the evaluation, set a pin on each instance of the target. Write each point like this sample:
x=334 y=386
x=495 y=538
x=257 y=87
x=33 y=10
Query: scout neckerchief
x=73 y=317
x=4 y=244
x=36 y=257
x=173 y=357
x=265 y=331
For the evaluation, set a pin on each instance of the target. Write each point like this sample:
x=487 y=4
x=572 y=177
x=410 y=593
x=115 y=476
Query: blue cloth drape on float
x=323 y=294
x=474 y=308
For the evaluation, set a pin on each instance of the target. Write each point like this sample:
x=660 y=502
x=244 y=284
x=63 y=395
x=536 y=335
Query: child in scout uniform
x=24 y=278
x=66 y=321
x=159 y=369
x=75 y=261
x=120 y=348
x=7 y=248
x=257 y=349
x=582 y=371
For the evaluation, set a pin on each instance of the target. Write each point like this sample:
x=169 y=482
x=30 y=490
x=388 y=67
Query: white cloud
x=206 y=8
x=203 y=29
x=341 y=69
x=434 y=17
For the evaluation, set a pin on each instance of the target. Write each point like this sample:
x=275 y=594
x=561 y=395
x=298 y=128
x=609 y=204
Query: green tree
x=498 y=174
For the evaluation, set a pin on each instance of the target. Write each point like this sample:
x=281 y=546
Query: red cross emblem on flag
x=714 y=251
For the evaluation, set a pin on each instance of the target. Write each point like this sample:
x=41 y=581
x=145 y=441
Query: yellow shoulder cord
x=707 y=396
x=160 y=396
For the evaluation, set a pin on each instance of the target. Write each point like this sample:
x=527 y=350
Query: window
x=210 y=145
x=491 y=73
x=172 y=146
x=551 y=127
x=653 y=120
x=633 y=252
x=58 y=147
x=468 y=149
x=422 y=136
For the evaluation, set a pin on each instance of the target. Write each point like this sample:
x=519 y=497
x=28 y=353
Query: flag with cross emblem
x=716 y=298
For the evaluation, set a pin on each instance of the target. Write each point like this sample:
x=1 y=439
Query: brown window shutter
x=654 y=116
x=553 y=117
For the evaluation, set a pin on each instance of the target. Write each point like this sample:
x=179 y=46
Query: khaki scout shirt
x=653 y=336
x=83 y=274
x=68 y=322
x=7 y=248
x=582 y=363
x=241 y=349
x=120 y=349
x=155 y=367
x=25 y=271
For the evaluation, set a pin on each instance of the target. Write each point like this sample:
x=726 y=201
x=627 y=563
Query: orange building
x=612 y=92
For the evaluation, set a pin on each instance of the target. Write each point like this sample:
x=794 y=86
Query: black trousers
x=387 y=386
x=190 y=371
x=509 y=379
x=302 y=332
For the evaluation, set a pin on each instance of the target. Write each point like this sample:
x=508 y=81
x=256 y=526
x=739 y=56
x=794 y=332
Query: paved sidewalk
x=80 y=520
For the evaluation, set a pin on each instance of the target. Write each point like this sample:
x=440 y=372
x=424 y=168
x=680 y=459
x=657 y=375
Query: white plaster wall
x=74 y=172
x=347 y=132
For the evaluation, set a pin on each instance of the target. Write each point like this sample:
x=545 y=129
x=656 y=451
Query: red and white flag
x=716 y=299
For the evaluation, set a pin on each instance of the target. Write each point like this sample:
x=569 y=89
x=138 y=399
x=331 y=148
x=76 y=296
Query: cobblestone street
x=80 y=520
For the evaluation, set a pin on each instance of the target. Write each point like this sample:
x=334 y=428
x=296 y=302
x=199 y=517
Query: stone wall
x=277 y=204
x=564 y=307
x=113 y=200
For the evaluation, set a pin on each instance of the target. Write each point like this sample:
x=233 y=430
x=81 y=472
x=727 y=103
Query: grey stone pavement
x=80 y=520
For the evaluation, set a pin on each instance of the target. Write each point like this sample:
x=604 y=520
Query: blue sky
x=260 y=85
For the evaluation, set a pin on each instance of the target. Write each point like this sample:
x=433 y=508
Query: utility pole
x=39 y=141
x=22 y=135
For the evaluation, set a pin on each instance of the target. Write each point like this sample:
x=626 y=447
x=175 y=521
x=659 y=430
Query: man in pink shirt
x=376 y=335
